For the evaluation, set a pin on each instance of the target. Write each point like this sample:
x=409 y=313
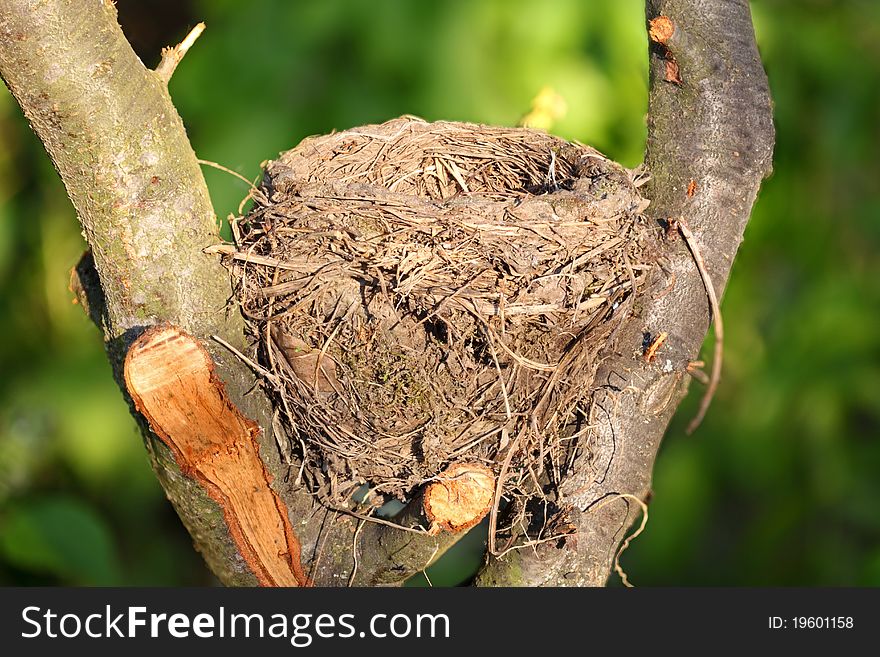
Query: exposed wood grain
x=172 y=381
x=460 y=498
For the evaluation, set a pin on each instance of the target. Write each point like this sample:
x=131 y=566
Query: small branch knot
x=661 y=29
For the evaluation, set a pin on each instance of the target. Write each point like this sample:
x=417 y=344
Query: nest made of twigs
x=430 y=293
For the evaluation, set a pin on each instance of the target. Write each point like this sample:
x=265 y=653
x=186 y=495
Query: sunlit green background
x=780 y=486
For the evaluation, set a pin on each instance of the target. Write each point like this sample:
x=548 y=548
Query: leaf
x=60 y=536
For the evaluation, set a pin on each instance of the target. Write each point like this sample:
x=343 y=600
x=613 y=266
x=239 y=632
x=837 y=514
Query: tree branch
x=709 y=122
x=121 y=150
x=171 y=57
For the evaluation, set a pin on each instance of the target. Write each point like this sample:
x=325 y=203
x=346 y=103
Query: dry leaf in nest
x=438 y=292
x=310 y=366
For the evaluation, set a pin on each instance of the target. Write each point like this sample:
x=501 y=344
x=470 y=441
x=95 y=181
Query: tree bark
x=120 y=147
x=710 y=144
x=121 y=150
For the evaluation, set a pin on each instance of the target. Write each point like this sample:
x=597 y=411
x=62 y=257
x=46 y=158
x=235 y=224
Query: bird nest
x=424 y=294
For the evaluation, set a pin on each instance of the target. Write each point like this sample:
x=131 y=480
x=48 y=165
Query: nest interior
x=425 y=294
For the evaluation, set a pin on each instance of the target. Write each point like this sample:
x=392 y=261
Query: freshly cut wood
x=460 y=497
x=172 y=381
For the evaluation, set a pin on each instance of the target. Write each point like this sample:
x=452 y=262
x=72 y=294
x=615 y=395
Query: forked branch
x=710 y=143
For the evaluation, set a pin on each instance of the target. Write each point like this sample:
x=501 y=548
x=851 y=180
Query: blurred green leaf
x=59 y=536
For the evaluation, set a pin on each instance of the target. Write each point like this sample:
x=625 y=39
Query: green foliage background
x=780 y=486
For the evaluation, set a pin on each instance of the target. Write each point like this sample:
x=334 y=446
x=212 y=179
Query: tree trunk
x=710 y=144
x=115 y=138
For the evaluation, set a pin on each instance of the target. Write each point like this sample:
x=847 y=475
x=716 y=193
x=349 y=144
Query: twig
x=493 y=515
x=229 y=171
x=500 y=379
x=522 y=360
x=693 y=368
x=425 y=569
x=354 y=552
x=259 y=369
x=254 y=192
x=629 y=539
x=380 y=521
x=715 y=376
x=230 y=250
x=171 y=57
x=537 y=541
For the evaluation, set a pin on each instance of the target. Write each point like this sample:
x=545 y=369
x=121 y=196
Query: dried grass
x=425 y=293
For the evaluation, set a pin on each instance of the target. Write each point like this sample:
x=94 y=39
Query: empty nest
x=430 y=293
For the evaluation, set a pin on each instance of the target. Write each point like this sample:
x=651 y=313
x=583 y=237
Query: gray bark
x=121 y=150
x=715 y=128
